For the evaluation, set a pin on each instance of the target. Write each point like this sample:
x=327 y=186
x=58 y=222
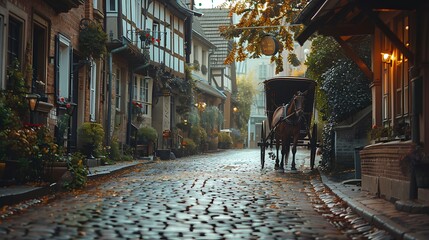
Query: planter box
x=93 y=162
x=55 y=171
x=163 y=154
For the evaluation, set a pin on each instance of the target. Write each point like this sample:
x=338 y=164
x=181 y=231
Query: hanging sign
x=269 y=45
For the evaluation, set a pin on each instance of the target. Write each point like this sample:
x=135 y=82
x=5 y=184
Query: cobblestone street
x=222 y=195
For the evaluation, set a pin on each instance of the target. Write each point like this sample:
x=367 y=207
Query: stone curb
x=377 y=219
x=39 y=192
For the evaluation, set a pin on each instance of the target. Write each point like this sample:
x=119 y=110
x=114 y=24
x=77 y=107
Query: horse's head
x=298 y=102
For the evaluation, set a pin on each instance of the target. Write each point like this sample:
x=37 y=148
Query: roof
x=346 y=18
x=210 y=22
x=203 y=86
x=198 y=31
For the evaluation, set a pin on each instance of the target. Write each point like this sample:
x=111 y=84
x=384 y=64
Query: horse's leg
x=276 y=166
x=295 y=142
x=285 y=150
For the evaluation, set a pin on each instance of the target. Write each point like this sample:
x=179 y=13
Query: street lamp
x=33 y=101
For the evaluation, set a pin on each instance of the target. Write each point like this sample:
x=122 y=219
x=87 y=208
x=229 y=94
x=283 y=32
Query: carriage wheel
x=313 y=145
x=263 y=143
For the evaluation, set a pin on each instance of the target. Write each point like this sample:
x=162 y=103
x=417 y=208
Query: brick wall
x=381 y=169
x=350 y=136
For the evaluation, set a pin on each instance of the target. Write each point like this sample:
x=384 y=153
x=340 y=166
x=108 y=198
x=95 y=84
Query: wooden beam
x=353 y=56
x=347 y=30
x=389 y=34
x=387 y=5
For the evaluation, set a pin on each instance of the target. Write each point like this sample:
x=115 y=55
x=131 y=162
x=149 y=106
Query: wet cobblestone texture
x=221 y=195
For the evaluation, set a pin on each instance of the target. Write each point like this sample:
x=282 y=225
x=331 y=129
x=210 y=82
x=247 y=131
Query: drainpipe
x=209 y=67
x=130 y=91
x=109 y=89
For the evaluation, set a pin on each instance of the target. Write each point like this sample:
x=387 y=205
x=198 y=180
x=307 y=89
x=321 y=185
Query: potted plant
x=147 y=137
x=90 y=138
x=225 y=140
x=92 y=40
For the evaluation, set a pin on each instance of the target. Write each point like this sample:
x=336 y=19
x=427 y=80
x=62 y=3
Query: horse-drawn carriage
x=289 y=110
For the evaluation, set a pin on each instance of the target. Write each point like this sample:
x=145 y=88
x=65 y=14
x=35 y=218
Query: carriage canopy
x=280 y=90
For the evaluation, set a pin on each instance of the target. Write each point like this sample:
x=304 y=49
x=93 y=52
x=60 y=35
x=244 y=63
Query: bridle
x=293 y=110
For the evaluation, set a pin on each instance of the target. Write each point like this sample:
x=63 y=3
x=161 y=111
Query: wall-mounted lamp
x=33 y=101
x=235 y=109
x=386 y=57
x=201 y=106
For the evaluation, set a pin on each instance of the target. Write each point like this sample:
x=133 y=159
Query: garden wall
x=382 y=172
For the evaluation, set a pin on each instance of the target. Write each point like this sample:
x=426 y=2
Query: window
x=135 y=96
x=262 y=72
x=14 y=41
x=64 y=50
x=118 y=90
x=155 y=31
x=39 y=55
x=401 y=67
x=92 y=91
x=204 y=58
x=144 y=96
x=112 y=5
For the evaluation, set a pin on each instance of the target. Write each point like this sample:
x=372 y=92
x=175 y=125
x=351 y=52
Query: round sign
x=269 y=45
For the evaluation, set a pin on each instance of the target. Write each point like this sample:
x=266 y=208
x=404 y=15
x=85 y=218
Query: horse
x=286 y=121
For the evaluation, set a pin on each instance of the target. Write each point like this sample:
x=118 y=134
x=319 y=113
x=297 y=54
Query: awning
x=204 y=86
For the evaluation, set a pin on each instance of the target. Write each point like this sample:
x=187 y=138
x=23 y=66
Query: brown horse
x=286 y=122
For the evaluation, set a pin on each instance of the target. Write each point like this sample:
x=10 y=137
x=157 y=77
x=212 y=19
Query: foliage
x=186 y=88
x=79 y=172
x=33 y=147
x=14 y=96
x=342 y=88
x=324 y=52
x=198 y=135
x=63 y=125
x=114 y=153
x=8 y=117
x=211 y=118
x=346 y=88
x=92 y=41
x=258 y=18
x=380 y=132
x=328 y=148
x=189 y=146
x=293 y=59
x=146 y=134
x=90 y=137
x=414 y=160
x=245 y=94
x=194 y=117
x=225 y=140
x=237 y=136
x=196 y=65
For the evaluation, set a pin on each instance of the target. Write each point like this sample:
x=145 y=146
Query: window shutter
x=57 y=67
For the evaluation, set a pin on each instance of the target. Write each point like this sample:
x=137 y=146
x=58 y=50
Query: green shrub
x=225 y=140
x=146 y=135
x=198 y=135
x=236 y=136
x=78 y=171
x=114 y=153
x=90 y=137
x=189 y=146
